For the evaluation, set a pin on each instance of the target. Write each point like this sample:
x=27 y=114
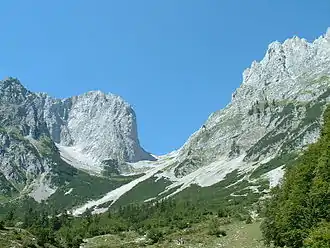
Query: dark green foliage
x=219 y=195
x=85 y=186
x=111 y=168
x=263 y=145
x=313 y=112
x=155 y=235
x=291 y=135
x=299 y=211
x=259 y=107
x=46 y=147
x=6 y=188
x=2 y=225
x=273 y=164
x=222 y=213
x=214 y=229
x=143 y=191
x=319 y=237
x=249 y=220
x=9 y=218
x=154 y=219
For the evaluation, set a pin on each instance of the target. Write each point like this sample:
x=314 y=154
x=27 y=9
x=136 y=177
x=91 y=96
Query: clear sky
x=174 y=61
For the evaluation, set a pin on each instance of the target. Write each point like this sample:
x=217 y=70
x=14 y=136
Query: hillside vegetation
x=17 y=238
x=298 y=214
x=156 y=225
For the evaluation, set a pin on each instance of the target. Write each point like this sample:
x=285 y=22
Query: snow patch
x=145 y=165
x=99 y=210
x=41 y=189
x=234 y=195
x=68 y=192
x=207 y=175
x=114 y=195
x=74 y=156
x=150 y=199
x=255 y=189
x=275 y=176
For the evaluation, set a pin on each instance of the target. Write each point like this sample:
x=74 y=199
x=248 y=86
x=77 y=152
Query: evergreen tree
x=296 y=210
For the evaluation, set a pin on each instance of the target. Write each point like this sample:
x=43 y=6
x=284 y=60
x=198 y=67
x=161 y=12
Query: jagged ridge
x=99 y=126
x=274 y=114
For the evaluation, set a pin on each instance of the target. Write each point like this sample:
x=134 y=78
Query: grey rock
x=103 y=126
x=277 y=109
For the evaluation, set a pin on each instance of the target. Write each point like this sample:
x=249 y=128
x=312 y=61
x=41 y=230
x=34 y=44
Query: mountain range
x=83 y=152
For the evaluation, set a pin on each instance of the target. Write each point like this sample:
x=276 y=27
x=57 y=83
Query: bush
x=319 y=237
x=183 y=225
x=249 y=220
x=217 y=232
x=2 y=225
x=222 y=213
x=154 y=235
x=214 y=229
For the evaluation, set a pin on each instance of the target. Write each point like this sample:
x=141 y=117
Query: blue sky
x=174 y=61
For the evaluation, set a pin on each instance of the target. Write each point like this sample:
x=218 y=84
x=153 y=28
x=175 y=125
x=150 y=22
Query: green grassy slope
x=17 y=238
x=238 y=235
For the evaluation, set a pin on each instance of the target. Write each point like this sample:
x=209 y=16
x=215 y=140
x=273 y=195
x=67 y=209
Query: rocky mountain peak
x=277 y=73
x=12 y=91
x=100 y=125
x=291 y=74
x=87 y=130
x=10 y=81
x=97 y=97
x=327 y=35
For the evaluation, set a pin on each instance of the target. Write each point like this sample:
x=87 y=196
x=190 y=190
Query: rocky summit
x=102 y=126
x=274 y=114
x=280 y=101
x=86 y=129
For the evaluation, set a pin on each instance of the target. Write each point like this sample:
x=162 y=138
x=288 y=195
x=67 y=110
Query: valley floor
x=239 y=235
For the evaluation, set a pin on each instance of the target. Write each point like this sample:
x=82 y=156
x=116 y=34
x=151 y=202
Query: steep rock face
x=20 y=121
x=20 y=160
x=99 y=126
x=22 y=109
